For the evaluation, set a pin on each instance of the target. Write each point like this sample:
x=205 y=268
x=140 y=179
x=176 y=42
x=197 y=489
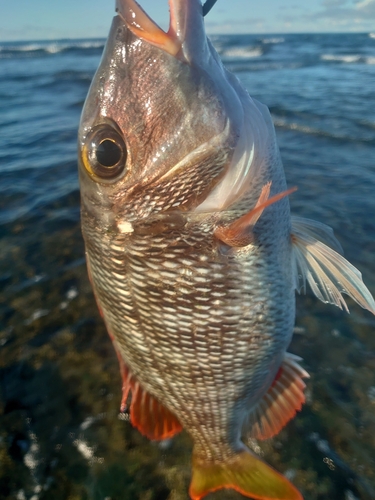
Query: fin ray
x=317 y=230
x=239 y=232
x=281 y=402
x=328 y=273
x=150 y=417
x=245 y=473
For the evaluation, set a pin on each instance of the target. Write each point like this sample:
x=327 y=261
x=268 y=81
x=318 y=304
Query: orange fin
x=239 y=233
x=245 y=473
x=282 y=401
x=150 y=417
x=147 y=415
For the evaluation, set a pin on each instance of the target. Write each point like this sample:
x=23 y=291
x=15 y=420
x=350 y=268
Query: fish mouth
x=185 y=36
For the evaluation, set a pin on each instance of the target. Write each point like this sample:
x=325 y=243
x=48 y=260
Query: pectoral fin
x=239 y=233
x=281 y=402
x=327 y=272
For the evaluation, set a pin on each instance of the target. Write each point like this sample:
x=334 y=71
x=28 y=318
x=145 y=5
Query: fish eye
x=105 y=153
x=108 y=153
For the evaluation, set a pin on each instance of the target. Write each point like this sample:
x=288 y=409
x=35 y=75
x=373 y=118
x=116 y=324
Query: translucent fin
x=245 y=473
x=326 y=271
x=239 y=232
x=281 y=402
x=317 y=230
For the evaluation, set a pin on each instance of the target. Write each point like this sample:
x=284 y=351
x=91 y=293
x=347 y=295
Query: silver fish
x=192 y=253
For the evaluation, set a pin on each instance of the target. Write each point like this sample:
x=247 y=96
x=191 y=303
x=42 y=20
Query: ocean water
x=61 y=435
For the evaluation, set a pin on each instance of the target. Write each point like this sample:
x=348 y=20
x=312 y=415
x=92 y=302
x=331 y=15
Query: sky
x=43 y=19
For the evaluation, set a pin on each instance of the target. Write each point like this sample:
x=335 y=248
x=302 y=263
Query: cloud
x=236 y=25
x=367 y=7
x=334 y=3
x=339 y=9
x=333 y=15
x=322 y=16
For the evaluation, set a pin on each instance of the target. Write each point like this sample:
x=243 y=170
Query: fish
x=192 y=252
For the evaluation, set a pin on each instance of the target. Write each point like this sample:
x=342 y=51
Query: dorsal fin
x=281 y=402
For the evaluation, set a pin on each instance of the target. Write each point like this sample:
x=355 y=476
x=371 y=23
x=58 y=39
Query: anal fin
x=281 y=402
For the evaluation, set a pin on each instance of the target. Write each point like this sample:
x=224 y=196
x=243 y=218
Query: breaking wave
x=242 y=52
x=273 y=40
x=290 y=124
x=348 y=58
x=39 y=49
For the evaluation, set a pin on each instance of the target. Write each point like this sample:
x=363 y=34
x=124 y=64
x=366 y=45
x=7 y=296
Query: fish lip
x=185 y=38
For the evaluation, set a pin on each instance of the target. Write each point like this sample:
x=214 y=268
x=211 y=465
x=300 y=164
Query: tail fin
x=245 y=473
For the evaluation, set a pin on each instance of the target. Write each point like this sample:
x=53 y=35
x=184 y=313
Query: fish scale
x=221 y=346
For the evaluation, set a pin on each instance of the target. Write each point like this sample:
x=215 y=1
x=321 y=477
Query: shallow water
x=61 y=435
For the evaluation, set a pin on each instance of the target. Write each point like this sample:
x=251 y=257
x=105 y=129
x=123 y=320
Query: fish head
x=162 y=120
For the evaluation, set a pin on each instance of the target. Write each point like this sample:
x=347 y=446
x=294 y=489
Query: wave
x=239 y=67
x=33 y=49
x=273 y=40
x=305 y=129
x=371 y=35
x=348 y=58
x=242 y=52
x=279 y=122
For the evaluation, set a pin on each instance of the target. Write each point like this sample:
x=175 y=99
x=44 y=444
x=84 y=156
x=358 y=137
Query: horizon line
x=208 y=34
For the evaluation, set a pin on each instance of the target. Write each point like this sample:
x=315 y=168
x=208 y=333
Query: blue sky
x=43 y=19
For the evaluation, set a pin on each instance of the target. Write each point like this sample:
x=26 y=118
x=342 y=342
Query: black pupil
x=108 y=153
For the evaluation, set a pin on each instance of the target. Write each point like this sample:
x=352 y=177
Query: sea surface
x=61 y=435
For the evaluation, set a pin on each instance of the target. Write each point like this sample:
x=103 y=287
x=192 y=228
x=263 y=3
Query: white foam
x=88 y=452
x=51 y=48
x=54 y=48
x=279 y=122
x=38 y=313
x=85 y=450
x=72 y=293
x=348 y=58
x=31 y=457
x=273 y=40
x=243 y=52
